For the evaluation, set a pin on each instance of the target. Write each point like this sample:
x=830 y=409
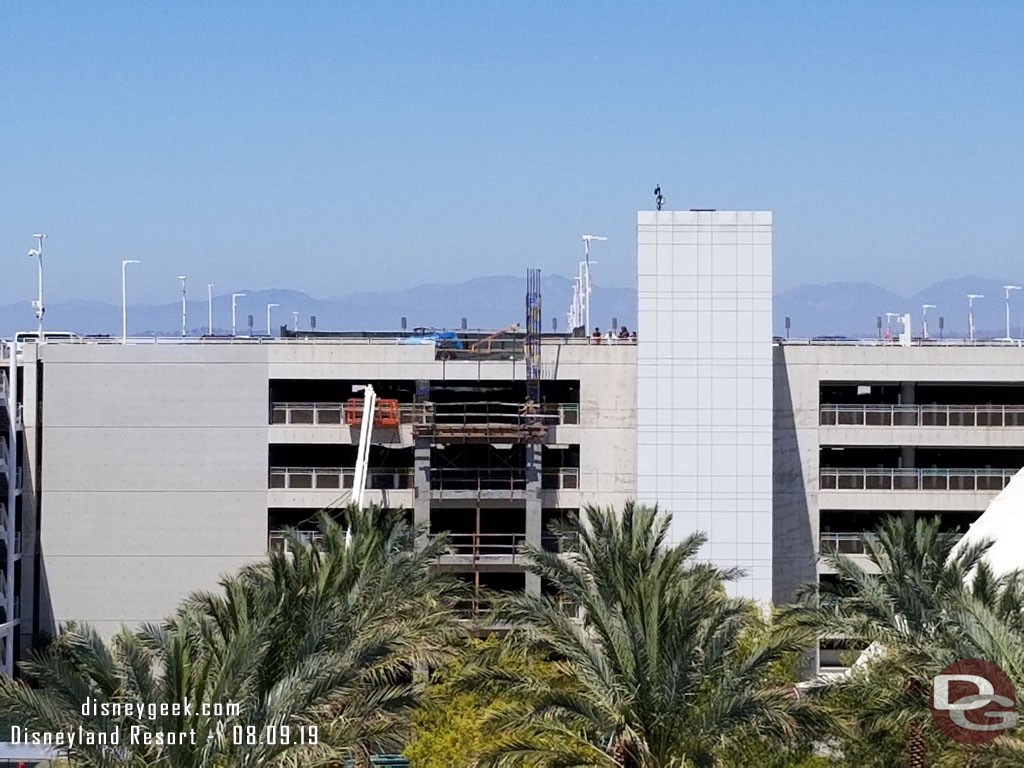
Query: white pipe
x=269 y=307
x=184 y=322
x=234 y=300
x=363 y=451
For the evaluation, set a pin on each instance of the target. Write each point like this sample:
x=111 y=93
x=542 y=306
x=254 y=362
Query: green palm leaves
x=320 y=639
x=660 y=671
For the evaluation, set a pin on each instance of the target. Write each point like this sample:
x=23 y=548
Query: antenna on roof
x=659 y=199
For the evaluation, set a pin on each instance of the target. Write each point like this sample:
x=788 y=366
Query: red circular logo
x=973 y=701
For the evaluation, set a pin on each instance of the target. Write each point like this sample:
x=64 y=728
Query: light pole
x=38 y=303
x=209 y=308
x=124 y=298
x=1009 y=288
x=295 y=320
x=234 y=304
x=184 y=325
x=585 y=279
x=970 y=311
x=270 y=307
x=924 y=319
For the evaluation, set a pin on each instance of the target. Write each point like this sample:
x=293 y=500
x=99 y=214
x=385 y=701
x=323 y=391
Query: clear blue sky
x=332 y=147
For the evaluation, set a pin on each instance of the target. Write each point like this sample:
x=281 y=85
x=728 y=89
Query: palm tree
x=321 y=639
x=989 y=624
x=341 y=624
x=660 y=671
x=903 y=606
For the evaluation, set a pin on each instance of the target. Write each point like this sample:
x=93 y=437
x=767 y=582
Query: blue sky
x=331 y=147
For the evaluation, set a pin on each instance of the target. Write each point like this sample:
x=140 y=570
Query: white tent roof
x=1002 y=523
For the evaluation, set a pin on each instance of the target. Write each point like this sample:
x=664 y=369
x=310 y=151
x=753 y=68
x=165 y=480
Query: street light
x=269 y=307
x=970 y=311
x=1009 y=288
x=38 y=303
x=124 y=299
x=184 y=326
x=924 y=319
x=234 y=298
x=584 y=279
x=209 y=308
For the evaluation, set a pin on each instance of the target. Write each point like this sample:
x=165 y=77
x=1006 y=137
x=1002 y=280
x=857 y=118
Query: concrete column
x=421 y=469
x=907 y=452
x=534 y=506
x=421 y=485
x=907 y=455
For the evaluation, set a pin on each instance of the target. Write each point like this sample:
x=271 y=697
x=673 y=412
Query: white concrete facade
x=146 y=469
x=704 y=382
x=145 y=466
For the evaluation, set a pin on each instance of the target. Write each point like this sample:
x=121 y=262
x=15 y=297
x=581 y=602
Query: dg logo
x=973 y=701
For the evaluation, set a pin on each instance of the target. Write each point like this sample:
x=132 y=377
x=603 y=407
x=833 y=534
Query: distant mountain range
x=852 y=309
x=486 y=302
x=834 y=309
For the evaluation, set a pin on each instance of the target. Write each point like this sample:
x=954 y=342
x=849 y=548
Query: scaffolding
x=483 y=421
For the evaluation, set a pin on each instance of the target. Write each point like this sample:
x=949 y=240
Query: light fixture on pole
x=924 y=319
x=234 y=304
x=970 y=312
x=37 y=305
x=184 y=325
x=584 y=278
x=1009 y=288
x=295 y=320
x=209 y=308
x=124 y=298
x=270 y=307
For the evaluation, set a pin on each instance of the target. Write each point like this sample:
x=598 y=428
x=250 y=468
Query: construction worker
x=528 y=416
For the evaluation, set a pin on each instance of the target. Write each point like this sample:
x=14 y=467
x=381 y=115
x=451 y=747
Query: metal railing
x=564 y=478
x=478 y=545
x=479 y=606
x=17 y=479
x=327 y=414
x=875 y=415
x=337 y=478
x=880 y=479
x=355 y=338
x=834 y=341
x=453 y=414
x=844 y=543
x=483 y=479
x=277 y=540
